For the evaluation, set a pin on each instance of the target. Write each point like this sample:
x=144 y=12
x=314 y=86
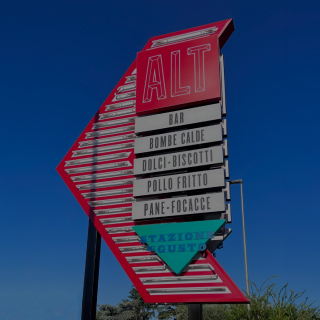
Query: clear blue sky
x=60 y=60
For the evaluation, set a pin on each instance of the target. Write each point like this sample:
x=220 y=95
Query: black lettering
x=176 y=119
x=208 y=203
x=181 y=117
x=163 y=142
x=188 y=137
x=151 y=209
x=184 y=159
x=157 y=207
x=200 y=152
x=195 y=158
x=194 y=180
x=196 y=204
x=199 y=179
x=202 y=203
x=206 y=151
x=184 y=182
x=174 y=161
x=197 y=136
x=172 y=206
x=178 y=205
x=156 y=142
x=184 y=203
x=205 y=179
x=183 y=137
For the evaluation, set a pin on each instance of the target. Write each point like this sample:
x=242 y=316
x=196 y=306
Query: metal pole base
x=195 y=312
x=91 y=274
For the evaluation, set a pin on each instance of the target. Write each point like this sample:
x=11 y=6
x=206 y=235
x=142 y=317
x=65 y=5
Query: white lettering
x=154 y=79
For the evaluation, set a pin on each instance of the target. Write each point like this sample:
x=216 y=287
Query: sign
x=178 y=244
x=211 y=112
x=179 y=139
x=110 y=167
x=179 y=160
x=181 y=74
x=162 y=208
x=179 y=182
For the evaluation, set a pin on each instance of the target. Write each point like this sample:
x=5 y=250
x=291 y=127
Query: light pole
x=239 y=181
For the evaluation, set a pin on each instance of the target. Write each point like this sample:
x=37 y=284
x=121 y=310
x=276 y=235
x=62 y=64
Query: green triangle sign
x=178 y=243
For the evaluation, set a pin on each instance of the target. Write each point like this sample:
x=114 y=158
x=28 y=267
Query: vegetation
x=266 y=303
x=133 y=308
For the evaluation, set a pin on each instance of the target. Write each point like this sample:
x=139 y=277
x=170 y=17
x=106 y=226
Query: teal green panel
x=171 y=236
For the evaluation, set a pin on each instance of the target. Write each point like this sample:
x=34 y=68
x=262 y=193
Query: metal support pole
x=91 y=274
x=244 y=234
x=195 y=312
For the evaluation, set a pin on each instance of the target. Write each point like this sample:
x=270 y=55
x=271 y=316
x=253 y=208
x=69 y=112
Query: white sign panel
x=177 y=139
x=179 y=160
x=179 y=182
x=211 y=112
x=162 y=208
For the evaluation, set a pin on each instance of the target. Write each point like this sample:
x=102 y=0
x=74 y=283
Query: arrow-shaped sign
x=178 y=243
x=99 y=171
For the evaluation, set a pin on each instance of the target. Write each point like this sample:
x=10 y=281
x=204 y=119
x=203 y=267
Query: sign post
x=91 y=274
x=151 y=169
x=195 y=311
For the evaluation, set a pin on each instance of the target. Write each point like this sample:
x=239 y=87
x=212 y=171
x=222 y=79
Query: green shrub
x=269 y=303
x=266 y=303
